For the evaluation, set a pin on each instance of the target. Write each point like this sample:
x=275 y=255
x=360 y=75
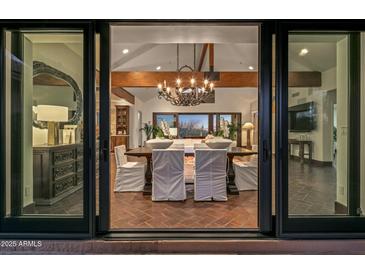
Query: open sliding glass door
x=264 y=81
x=320 y=99
x=47 y=95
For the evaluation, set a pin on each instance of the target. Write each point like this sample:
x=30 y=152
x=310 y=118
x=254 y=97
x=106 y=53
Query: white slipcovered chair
x=210 y=175
x=246 y=174
x=129 y=176
x=168 y=182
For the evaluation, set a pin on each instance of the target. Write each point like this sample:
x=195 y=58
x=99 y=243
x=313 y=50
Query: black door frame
x=321 y=226
x=265 y=218
x=42 y=226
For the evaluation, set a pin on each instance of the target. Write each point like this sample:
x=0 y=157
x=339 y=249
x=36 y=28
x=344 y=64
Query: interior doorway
x=145 y=60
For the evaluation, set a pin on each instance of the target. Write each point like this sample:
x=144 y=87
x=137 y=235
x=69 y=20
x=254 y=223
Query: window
x=198 y=125
x=193 y=125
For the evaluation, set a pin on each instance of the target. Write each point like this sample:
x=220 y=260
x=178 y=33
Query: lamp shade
x=173 y=131
x=248 y=125
x=52 y=113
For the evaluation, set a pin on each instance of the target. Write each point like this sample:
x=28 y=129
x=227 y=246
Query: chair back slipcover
x=246 y=174
x=120 y=157
x=129 y=176
x=168 y=181
x=210 y=175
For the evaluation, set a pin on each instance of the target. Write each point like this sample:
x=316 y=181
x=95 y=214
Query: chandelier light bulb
x=206 y=82
x=180 y=89
x=178 y=81
x=168 y=89
x=192 y=81
x=211 y=85
x=159 y=86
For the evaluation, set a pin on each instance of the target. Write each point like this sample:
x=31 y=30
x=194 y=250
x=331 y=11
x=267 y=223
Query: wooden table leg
x=147 y=190
x=231 y=186
x=310 y=153
x=301 y=153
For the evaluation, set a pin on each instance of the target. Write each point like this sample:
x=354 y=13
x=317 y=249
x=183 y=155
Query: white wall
x=342 y=121
x=322 y=135
x=62 y=58
x=27 y=121
x=226 y=100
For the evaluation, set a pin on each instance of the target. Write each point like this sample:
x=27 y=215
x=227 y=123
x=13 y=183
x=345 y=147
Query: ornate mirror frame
x=42 y=68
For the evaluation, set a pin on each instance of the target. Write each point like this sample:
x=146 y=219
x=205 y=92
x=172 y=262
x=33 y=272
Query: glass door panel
x=46 y=179
x=320 y=99
x=44 y=119
x=318 y=113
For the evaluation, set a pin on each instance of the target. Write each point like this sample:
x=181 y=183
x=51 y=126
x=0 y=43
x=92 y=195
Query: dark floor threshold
x=183 y=235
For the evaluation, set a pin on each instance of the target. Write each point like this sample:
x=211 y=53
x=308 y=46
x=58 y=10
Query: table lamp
x=53 y=115
x=248 y=126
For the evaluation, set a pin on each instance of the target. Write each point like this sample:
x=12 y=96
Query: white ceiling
x=236 y=47
x=321 y=55
x=184 y=34
x=55 y=38
x=228 y=57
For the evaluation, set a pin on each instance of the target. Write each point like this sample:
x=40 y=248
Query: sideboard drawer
x=80 y=152
x=80 y=178
x=64 y=170
x=80 y=165
x=63 y=185
x=63 y=156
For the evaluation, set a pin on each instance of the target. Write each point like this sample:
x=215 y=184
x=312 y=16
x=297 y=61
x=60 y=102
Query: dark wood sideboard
x=57 y=172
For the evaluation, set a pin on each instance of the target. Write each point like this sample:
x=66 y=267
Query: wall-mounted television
x=302 y=117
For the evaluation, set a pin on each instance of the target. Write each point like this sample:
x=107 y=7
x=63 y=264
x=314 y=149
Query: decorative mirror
x=54 y=87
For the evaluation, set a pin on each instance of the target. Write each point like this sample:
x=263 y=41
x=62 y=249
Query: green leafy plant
x=158 y=132
x=232 y=131
x=152 y=131
x=218 y=133
x=148 y=130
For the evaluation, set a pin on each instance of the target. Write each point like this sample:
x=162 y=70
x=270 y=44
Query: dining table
x=189 y=151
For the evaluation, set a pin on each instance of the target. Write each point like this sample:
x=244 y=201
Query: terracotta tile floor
x=133 y=210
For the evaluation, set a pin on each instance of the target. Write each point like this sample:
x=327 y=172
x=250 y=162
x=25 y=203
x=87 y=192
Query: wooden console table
x=301 y=144
x=57 y=171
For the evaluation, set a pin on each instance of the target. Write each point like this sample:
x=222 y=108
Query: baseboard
x=340 y=208
x=29 y=208
x=313 y=162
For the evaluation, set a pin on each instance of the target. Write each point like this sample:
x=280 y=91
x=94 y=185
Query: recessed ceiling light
x=158 y=68
x=250 y=67
x=125 y=51
x=303 y=52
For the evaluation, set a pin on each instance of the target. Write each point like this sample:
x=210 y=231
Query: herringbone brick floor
x=133 y=210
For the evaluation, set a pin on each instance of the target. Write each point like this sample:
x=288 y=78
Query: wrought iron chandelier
x=181 y=95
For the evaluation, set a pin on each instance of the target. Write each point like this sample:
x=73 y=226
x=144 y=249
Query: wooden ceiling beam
x=202 y=56
x=124 y=94
x=211 y=57
x=148 y=79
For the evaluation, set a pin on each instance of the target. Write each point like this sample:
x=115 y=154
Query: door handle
x=105 y=150
x=266 y=151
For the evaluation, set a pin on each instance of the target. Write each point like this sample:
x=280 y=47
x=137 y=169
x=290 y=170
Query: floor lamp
x=248 y=126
